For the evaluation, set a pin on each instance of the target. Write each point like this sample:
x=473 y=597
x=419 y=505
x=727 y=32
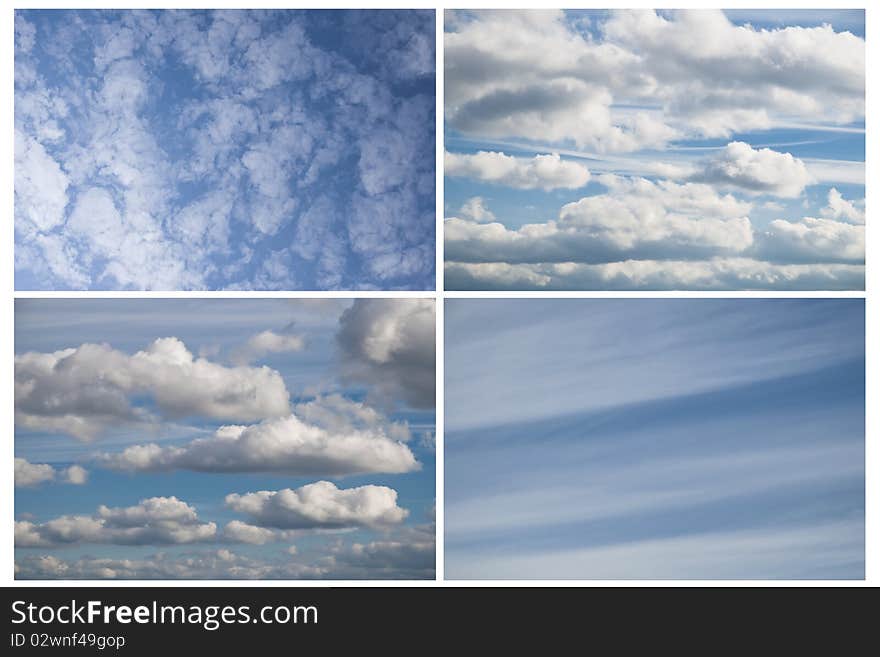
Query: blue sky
x=268 y=150
x=322 y=389
x=654 y=150
x=662 y=438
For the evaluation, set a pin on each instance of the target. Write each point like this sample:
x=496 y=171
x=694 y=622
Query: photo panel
x=654 y=439
x=699 y=149
x=224 y=439
x=225 y=150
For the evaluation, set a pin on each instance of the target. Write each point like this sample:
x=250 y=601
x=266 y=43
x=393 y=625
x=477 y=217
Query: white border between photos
x=872 y=332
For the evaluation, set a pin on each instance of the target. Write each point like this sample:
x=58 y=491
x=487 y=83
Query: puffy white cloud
x=75 y=474
x=218 y=564
x=636 y=219
x=757 y=171
x=388 y=344
x=321 y=505
x=153 y=521
x=841 y=209
x=237 y=531
x=331 y=446
x=84 y=390
x=698 y=73
x=267 y=342
x=475 y=209
x=33 y=474
x=545 y=172
x=712 y=274
x=813 y=240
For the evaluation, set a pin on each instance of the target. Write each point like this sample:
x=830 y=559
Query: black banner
x=132 y=620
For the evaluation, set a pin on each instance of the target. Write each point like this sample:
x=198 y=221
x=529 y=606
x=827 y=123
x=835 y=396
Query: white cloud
x=635 y=219
x=267 y=342
x=75 y=474
x=153 y=521
x=40 y=187
x=697 y=73
x=712 y=274
x=388 y=344
x=286 y=445
x=841 y=209
x=33 y=474
x=545 y=172
x=813 y=240
x=272 y=120
x=237 y=531
x=475 y=209
x=321 y=505
x=82 y=391
x=756 y=171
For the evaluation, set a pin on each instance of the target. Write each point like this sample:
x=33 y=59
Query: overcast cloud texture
x=209 y=150
x=224 y=439
x=654 y=150
x=654 y=439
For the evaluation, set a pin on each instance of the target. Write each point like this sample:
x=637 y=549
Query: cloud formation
x=757 y=171
x=81 y=391
x=389 y=345
x=699 y=128
x=320 y=505
x=267 y=342
x=167 y=150
x=29 y=474
x=540 y=172
x=329 y=443
x=153 y=521
x=698 y=73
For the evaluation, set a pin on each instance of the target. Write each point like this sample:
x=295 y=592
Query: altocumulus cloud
x=224 y=149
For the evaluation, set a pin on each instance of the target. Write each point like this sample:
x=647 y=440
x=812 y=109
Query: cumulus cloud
x=697 y=72
x=320 y=505
x=153 y=521
x=636 y=219
x=237 y=531
x=475 y=209
x=217 y=564
x=83 y=391
x=545 y=172
x=331 y=443
x=388 y=344
x=756 y=171
x=267 y=342
x=840 y=208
